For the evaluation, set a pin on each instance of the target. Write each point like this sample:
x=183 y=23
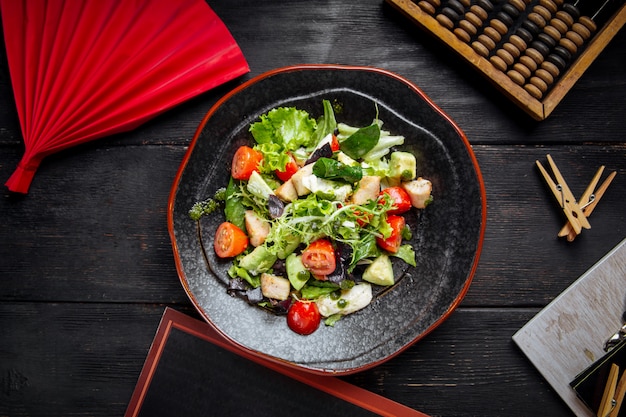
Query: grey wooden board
x=568 y=335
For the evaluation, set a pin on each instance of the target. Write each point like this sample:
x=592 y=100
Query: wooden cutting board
x=568 y=335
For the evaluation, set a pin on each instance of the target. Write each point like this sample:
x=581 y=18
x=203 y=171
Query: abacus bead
x=535 y=55
x=512 y=49
x=435 y=3
x=547 y=39
x=557 y=60
x=569 y=45
x=549 y=5
x=518 y=42
x=445 y=21
x=450 y=13
x=539 y=83
x=589 y=24
x=504 y=18
x=516 y=77
x=500 y=27
x=522 y=69
x=486 y=41
x=575 y=38
x=572 y=10
x=485 y=4
x=565 y=18
x=552 y=32
x=510 y=10
x=473 y=19
x=559 y=25
x=480 y=49
x=462 y=34
x=563 y=53
x=533 y=91
x=480 y=12
x=545 y=76
x=551 y=68
x=498 y=63
x=528 y=62
x=492 y=33
x=468 y=27
x=543 y=12
x=537 y=20
x=524 y=34
x=427 y=7
x=531 y=27
x=465 y=3
x=456 y=6
x=581 y=30
x=540 y=47
x=518 y=4
x=506 y=57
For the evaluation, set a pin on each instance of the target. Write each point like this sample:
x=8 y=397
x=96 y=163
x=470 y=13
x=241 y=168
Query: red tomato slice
x=303 y=317
x=392 y=243
x=401 y=199
x=245 y=161
x=334 y=144
x=229 y=240
x=319 y=257
x=362 y=218
x=290 y=169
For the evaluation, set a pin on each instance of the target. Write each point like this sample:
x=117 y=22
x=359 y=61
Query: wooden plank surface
x=85 y=358
x=86 y=266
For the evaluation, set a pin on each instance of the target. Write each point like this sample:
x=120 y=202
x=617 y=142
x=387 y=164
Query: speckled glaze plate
x=447 y=236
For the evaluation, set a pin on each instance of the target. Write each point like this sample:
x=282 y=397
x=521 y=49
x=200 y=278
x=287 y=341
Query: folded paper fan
x=85 y=69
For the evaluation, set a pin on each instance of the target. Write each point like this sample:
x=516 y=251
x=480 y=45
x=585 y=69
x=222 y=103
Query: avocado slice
x=296 y=272
x=380 y=272
x=402 y=166
x=258 y=261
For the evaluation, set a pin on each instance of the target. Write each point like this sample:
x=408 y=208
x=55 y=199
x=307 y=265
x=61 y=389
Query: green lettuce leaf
x=287 y=126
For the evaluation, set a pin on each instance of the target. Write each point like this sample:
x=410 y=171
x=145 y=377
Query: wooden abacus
x=532 y=50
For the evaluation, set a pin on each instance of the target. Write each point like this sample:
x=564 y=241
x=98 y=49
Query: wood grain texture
x=568 y=335
x=86 y=265
x=84 y=360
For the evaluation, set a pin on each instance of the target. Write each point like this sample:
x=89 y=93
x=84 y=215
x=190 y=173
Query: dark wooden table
x=86 y=266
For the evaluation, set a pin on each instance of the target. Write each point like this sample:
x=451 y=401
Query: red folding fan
x=84 y=69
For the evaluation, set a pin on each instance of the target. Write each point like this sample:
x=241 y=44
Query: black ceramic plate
x=447 y=235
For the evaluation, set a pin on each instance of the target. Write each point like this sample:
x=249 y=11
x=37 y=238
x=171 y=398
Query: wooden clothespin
x=618 y=396
x=589 y=200
x=564 y=196
x=613 y=394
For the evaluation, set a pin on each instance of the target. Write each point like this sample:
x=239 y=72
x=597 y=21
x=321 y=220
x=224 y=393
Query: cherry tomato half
x=303 y=317
x=245 y=161
x=229 y=240
x=319 y=257
x=290 y=169
x=400 y=199
x=392 y=243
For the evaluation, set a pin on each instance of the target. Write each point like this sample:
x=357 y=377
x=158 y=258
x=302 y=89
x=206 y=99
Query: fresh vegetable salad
x=314 y=213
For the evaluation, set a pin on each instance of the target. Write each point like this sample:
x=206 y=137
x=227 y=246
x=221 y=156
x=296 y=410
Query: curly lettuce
x=286 y=126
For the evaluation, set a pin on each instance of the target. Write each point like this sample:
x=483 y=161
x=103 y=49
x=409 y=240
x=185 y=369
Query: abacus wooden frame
x=537 y=109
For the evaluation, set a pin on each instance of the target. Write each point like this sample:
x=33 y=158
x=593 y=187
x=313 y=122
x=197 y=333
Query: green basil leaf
x=331 y=169
x=361 y=141
x=233 y=208
x=407 y=254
